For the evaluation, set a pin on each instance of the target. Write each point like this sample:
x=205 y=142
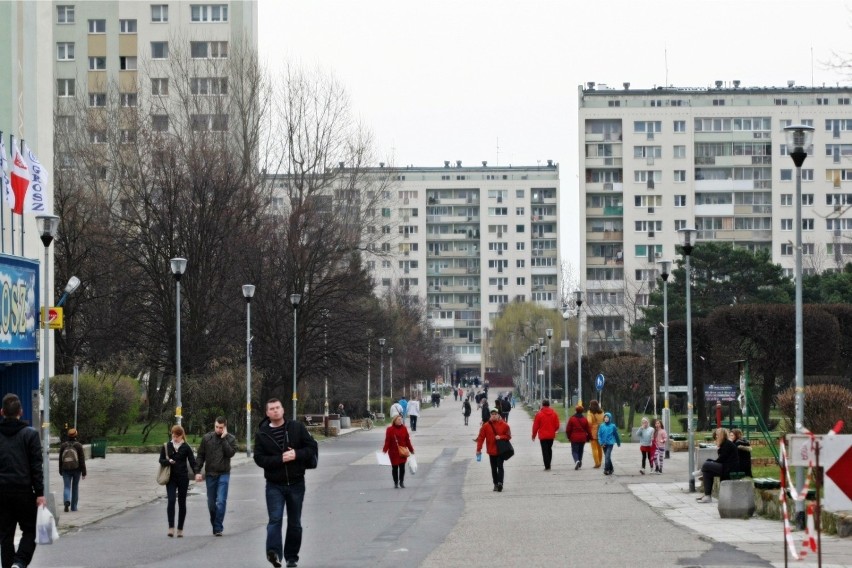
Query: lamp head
x=665 y=269
x=390 y=350
x=295 y=299
x=578 y=298
x=799 y=142
x=543 y=349
x=687 y=239
x=382 y=341
x=549 y=333
x=541 y=341
x=248 y=292
x=73 y=284
x=178 y=266
x=47 y=226
x=653 y=331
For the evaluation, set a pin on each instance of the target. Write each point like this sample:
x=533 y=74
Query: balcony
x=613 y=211
x=605 y=236
x=604 y=162
x=734 y=235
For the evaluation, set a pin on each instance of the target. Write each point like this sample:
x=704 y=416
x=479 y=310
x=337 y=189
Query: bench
x=736 y=499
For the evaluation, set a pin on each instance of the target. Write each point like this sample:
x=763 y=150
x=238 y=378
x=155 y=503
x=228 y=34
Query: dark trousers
x=176 y=491
x=278 y=496
x=547 y=452
x=505 y=416
x=577 y=449
x=496 y=469
x=17 y=508
x=412 y=419
x=711 y=470
x=398 y=473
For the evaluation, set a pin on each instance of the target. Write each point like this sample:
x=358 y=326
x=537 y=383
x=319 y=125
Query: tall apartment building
x=658 y=160
x=469 y=240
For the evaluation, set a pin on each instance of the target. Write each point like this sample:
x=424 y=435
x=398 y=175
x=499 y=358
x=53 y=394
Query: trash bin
x=99 y=448
x=345 y=422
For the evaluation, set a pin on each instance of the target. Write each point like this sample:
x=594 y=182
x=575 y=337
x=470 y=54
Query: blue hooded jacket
x=608 y=432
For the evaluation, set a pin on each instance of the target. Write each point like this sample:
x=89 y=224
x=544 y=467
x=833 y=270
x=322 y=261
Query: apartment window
x=209 y=12
x=65 y=88
x=519 y=228
x=386 y=212
x=159 y=50
x=807 y=175
x=679 y=126
x=520 y=246
x=160 y=122
x=679 y=152
x=498 y=211
x=65 y=123
x=808 y=249
x=126 y=63
x=97 y=64
x=807 y=224
x=807 y=199
x=843 y=101
x=718 y=102
x=127 y=99
x=159 y=13
x=786 y=199
x=97 y=136
x=786 y=249
x=680 y=201
x=208 y=49
x=519 y=193
x=520 y=263
x=160 y=87
x=822 y=101
x=65 y=51
x=127 y=26
x=679 y=175
x=519 y=210
x=97 y=26
x=649 y=126
x=679 y=224
x=97 y=99
x=521 y=281
x=786 y=224
x=65 y=14
x=127 y=136
x=208 y=85
x=786 y=174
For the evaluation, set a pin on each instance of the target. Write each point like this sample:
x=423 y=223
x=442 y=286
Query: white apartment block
x=657 y=160
x=469 y=240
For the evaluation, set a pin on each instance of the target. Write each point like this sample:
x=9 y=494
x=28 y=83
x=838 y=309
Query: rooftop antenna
x=812 y=67
x=498 y=150
x=666 y=61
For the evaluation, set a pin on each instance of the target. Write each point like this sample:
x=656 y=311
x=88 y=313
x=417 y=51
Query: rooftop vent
x=446 y=163
x=550 y=162
x=791 y=83
x=484 y=164
x=458 y=163
x=341 y=164
x=626 y=86
x=718 y=84
x=381 y=164
x=590 y=85
x=736 y=83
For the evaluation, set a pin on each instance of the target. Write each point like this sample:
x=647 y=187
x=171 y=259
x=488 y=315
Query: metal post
x=390 y=362
x=667 y=418
x=294 y=300
x=382 y=376
x=179 y=409
x=46 y=326
x=566 y=344
x=653 y=331
x=368 y=374
x=689 y=403
x=248 y=291
x=325 y=361
x=76 y=392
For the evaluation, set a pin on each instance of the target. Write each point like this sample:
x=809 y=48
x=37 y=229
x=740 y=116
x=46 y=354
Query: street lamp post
x=549 y=332
x=565 y=344
x=390 y=363
x=687 y=238
x=653 y=332
x=369 y=342
x=665 y=270
x=541 y=351
x=799 y=143
x=325 y=362
x=382 y=376
x=248 y=294
x=47 y=225
x=178 y=267
x=578 y=299
x=294 y=300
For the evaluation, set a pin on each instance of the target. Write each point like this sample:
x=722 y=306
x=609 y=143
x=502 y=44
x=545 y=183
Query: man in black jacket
x=284 y=449
x=216 y=450
x=21 y=484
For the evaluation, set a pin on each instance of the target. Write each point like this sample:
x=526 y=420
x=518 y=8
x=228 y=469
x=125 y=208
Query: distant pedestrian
x=341 y=410
x=455 y=394
x=492 y=430
x=72 y=466
x=398 y=447
x=396 y=410
x=413 y=413
x=21 y=484
x=505 y=407
x=403 y=402
x=595 y=417
x=284 y=449
x=743 y=451
x=608 y=437
x=578 y=432
x=646 y=443
x=485 y=412
x=214 y=455
x=545 y=426
x=661 y=438
x=466 y=410
x=179 y=456
x=726 y=461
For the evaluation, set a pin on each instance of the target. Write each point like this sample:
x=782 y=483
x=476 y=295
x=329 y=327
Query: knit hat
x=72 y=432
x=495 y=411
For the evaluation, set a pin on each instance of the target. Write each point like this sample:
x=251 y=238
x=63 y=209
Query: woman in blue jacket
x=607 y=438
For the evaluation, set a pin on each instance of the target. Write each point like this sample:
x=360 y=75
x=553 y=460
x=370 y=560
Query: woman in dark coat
x=578 y=432
x=726 y=462
x=744 y=451
x=396 y=437
x=179 y=456
x=466 y=409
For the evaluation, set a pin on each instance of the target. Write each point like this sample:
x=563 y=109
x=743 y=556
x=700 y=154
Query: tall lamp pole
x=390 y=362
x=325 y=360
x=369 y=342
x=178 y=267
x=382 y=376
x=653 y=332
x=578 y=299
x=294 y=300
x=248 y=294
x=799 y=143
x=47 y=225
x=549 y=333
x=687 y=238
x=566 y=344
x=541 y=351
x=665 y=270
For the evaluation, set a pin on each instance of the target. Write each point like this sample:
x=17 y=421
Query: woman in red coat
x=493 y=430
x=578 y=432
x=397 y=442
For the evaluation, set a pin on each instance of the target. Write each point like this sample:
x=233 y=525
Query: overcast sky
x=456 y=80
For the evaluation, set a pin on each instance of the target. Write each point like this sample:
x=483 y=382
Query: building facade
x=467 y=241
x=657 y=160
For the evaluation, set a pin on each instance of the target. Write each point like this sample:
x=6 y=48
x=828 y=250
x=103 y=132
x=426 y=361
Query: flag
x=20 y=179
x=36 y=199
x=7 y=185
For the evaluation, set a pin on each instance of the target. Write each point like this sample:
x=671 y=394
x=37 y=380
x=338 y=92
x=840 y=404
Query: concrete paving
x=534 y=520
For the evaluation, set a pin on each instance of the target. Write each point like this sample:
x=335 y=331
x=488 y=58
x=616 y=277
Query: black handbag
x=505 y=450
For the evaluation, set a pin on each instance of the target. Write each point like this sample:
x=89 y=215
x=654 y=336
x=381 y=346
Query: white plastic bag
x=412 y=464
x=46 y=532
x=382 y=458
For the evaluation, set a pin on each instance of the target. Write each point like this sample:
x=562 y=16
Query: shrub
x=824 y=406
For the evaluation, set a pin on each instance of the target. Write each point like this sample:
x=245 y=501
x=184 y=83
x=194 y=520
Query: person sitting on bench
x=726 y=462
x=743 y=452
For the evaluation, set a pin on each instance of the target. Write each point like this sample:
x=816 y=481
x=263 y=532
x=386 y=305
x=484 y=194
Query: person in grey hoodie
x=21 y=484
x=608 y=437
x=646 y=443
x=215 y=452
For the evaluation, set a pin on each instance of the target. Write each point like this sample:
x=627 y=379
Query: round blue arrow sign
x=599 y=382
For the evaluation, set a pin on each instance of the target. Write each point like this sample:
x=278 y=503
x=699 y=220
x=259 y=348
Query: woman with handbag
x=181 y=460
x=495 y=433
x=398 y=447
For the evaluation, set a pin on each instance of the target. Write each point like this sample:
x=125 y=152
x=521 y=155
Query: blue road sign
x=599 y=382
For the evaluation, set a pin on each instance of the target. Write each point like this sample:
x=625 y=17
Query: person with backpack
x=505 y=408
x=466 y=410
x=72 y=467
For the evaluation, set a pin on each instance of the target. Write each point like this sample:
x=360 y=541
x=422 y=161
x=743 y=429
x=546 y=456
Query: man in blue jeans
x=215 y=452
x=284 y=449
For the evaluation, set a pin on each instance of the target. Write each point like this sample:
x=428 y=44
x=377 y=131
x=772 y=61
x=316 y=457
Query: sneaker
x=642 y=471
x=499 y=487
x=697 y=473
x=291 y=564
x=495 y=488
x=705 y=499
x=576 y=466
x=273 y=558
x=67 y=506
x=579 y=464
x=401 y=485
x=217 y=533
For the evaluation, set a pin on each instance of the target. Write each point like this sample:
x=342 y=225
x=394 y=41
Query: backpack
x=70 y=460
